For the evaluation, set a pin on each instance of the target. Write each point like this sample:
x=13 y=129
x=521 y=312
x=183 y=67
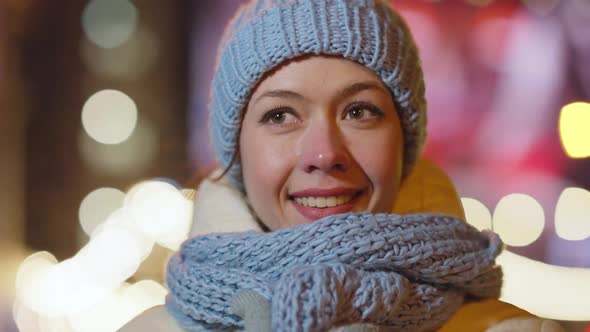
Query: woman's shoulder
x=154 y=319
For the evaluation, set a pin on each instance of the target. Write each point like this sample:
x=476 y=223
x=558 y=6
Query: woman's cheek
x=266 y=166
x=275 y=156
x=379 y=154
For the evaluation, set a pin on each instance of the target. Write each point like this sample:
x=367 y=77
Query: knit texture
x=408 y=273
x=265 y=33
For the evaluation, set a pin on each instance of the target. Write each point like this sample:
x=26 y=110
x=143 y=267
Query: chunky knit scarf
x=407 y=272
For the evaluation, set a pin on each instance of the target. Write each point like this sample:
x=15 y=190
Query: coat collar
x=220 y=208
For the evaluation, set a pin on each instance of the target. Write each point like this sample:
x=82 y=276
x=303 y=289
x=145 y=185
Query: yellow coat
x=428 y=189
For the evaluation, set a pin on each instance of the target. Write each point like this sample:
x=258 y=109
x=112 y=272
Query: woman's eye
x=356 y=113
x=279 y=117
x=362 y=112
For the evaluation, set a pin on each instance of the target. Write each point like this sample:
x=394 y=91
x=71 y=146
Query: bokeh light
x=147 y=291
x=30 y=280
x=574 y=129
x=531 y=74
x=572 y=214
x=161 y=210
x=141 y=296
x=113 y=255
x=130 y=157
x=97 y=206
x=109 y=23
x=55 y=324
x=69 y=289
x=25 y=318
x=105 y=315
x=527 y=284
x=476 y=213
x=109 y=116
x=122 y=219
x=519 y=219
x=120 y=307
x=127 y=62
x=88 y=292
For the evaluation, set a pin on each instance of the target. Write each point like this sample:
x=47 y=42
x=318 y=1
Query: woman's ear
x=428 y=189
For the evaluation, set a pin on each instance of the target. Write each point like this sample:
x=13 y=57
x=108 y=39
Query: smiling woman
x=326 y=133
x=318 y=118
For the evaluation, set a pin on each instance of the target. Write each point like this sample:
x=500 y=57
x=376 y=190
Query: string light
x=545 y=290
x=572 y=214
x=97 y=206
x=476 y=213
x=91 y=286
x=162 y=210
x=519 y=219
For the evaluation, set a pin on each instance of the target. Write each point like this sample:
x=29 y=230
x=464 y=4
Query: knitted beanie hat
x=265 y=33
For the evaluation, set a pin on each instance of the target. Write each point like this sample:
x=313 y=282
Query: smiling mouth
x=324 y=201
x=316 y=204
x=325 y=198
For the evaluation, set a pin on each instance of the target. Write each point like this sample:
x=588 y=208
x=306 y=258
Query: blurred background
x=98 y=95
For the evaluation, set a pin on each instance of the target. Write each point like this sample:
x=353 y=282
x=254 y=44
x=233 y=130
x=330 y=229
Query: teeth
x=322 y=202
x=331 y=201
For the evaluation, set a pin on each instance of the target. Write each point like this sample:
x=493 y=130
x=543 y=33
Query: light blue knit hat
x=265 y=33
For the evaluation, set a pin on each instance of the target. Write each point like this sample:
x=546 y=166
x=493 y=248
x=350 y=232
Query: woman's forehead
x=316 y=76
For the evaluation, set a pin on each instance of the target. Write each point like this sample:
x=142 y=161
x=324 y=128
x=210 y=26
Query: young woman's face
x=320 y=136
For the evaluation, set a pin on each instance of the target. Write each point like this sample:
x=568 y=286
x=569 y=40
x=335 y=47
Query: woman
x=318 y=116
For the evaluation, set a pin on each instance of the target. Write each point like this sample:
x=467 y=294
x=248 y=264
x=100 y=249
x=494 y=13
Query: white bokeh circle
x=519 y=219
x=109 y=116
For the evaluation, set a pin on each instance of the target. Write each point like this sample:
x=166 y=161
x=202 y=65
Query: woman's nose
x=322 y=148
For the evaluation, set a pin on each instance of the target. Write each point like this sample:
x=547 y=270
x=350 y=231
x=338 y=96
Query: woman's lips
x=325 y=192
x=315 y=213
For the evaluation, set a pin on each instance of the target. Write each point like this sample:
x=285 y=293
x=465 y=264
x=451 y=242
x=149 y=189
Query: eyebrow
x=347 y=91
x=360 y=86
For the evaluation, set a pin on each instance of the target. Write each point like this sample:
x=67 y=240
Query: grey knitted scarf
x=406 y=272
